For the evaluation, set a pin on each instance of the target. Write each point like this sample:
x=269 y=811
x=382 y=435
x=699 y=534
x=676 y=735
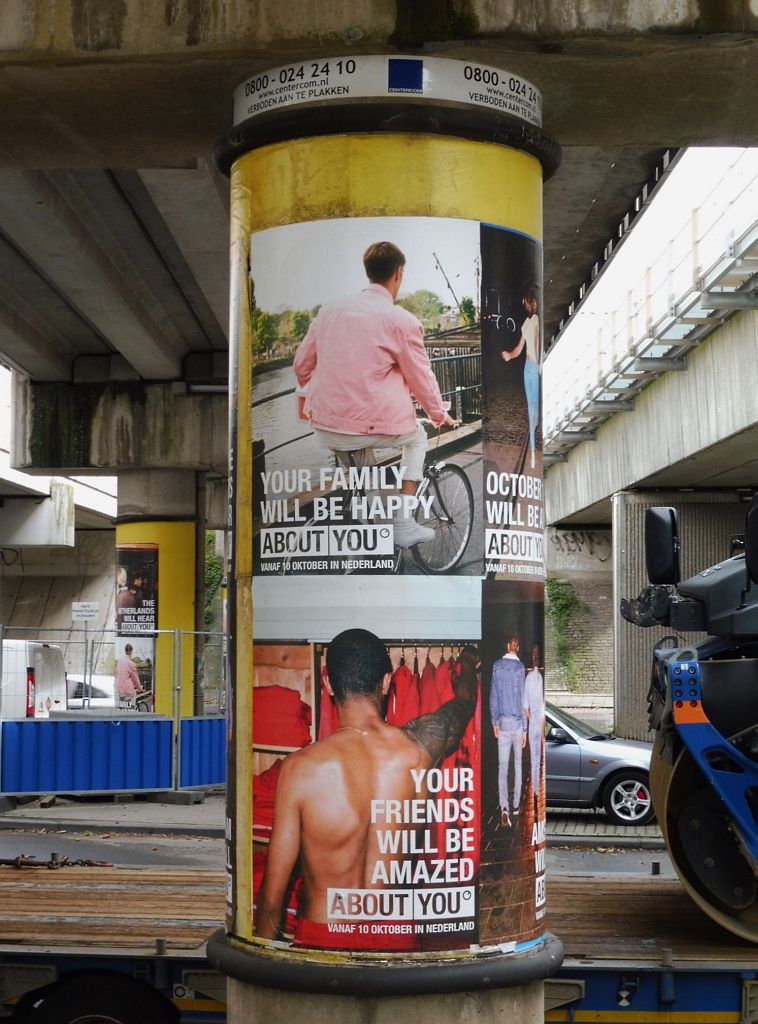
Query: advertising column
x=386 y=792
x=155 y=590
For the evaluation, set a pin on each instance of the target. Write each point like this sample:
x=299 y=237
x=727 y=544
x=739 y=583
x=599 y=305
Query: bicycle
x=450 y=513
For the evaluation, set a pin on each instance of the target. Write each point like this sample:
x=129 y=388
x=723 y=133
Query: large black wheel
x=627 y=799
x=104 y=999
x=451 y=518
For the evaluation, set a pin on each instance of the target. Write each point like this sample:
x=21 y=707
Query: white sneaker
x=408 y=532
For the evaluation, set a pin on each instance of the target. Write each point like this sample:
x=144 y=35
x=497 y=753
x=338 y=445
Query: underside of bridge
x=113 y=236
x=113 y=220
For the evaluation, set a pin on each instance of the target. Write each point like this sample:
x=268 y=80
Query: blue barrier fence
x=111 y=756
x=202 y=752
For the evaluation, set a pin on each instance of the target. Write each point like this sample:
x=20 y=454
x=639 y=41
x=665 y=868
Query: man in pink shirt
x=361 y=359
x=127 y=680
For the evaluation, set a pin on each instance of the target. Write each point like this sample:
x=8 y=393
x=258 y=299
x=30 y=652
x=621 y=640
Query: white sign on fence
x=84 y=611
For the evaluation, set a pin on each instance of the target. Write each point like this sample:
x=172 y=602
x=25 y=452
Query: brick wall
x=583 y=560
x=591 y=634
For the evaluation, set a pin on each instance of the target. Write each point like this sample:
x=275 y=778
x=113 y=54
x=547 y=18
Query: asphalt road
x=119 y=849
x=608 y=860
x=202 y=852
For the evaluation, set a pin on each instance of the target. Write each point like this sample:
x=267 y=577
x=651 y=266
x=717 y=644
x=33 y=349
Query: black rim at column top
x=475 y=124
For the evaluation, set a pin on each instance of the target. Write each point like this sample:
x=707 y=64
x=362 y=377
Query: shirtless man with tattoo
x=326 y=791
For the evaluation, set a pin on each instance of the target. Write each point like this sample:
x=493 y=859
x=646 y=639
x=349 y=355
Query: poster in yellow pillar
x=155 y=595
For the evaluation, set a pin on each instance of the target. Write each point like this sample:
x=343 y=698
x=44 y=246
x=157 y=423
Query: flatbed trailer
x=638 y=949
x=77 y=939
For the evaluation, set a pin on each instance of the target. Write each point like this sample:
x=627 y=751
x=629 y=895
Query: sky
x=299 y=266
x=708 y=198
x=692 y=182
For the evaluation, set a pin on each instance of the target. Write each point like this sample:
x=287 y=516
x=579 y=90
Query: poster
x=513 y=755
x=366 y=834
x=136 y=621
x=512 y=382
x=335 y=489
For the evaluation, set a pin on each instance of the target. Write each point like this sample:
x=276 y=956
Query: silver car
x=587 y=768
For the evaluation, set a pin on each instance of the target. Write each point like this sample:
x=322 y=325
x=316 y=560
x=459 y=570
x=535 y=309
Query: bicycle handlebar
x=426 y=422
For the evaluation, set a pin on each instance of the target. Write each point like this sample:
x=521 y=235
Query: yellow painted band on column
x=176 y=603
x=240 y=399
x=324 y=178
x=390 y=176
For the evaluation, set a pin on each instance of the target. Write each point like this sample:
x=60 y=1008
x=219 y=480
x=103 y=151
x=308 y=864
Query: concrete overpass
x=650 y=399
x=113 y=222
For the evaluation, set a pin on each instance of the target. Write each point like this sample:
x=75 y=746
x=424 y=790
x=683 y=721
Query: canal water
x=290 y=443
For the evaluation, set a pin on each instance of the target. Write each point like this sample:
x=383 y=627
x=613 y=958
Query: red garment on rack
x=443 y=678
x=264 y=793
x=468 y=755
x=328 y=719
x=429 y=697
x=405 y=705
x=280 y=717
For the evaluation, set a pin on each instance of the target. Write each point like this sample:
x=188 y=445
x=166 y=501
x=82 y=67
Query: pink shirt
x=361 y=359
x=127 y=680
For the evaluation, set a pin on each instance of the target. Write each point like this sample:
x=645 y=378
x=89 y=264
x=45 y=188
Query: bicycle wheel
x=451 y=517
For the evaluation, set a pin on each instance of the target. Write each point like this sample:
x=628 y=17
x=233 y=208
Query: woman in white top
x=530 y=340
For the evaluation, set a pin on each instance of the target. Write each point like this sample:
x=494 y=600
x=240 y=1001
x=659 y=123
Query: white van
x=33 y=681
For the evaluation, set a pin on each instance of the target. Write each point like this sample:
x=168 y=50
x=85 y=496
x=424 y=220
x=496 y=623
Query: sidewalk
x=162 y=815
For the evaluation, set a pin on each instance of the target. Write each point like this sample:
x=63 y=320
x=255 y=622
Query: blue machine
x=703 y=704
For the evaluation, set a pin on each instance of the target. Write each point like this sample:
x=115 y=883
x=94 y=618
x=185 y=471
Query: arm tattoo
x=440 y=733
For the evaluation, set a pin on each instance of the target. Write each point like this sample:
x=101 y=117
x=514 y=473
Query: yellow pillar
x=170 y=548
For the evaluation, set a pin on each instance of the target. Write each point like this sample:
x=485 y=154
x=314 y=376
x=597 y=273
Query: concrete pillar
x=707 y=521
x=258 y=1005
x=157 y=542
x=337 y=165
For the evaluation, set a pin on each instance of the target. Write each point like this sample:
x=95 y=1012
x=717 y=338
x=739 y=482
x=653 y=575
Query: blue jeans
x=536 y=732
x=532 y=389
x=509 y=742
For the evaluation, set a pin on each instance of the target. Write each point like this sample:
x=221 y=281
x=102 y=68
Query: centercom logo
x=405 y=75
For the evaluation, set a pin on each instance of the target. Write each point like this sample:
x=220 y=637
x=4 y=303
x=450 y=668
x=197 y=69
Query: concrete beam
x=100 y=428
x=573 y=436
x=608 y=408
x=169 y=69
x=652 y=365
x=194 y=206
x=39 y=522
x=729 y=300
x=54 y=226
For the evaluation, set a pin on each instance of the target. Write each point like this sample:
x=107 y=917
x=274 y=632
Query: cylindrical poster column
x=386 y=797
x=156 y=540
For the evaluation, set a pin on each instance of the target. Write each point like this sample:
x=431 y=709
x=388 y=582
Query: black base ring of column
x=299 y=972
x=477 y=125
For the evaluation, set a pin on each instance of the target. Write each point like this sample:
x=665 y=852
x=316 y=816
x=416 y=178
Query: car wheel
x=627 y=800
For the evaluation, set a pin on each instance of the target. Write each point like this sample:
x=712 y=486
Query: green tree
x=565 y=609
x=468 y=310
x=425 y=305
x=301 y=321
x=265 y=331
x=214 y=575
